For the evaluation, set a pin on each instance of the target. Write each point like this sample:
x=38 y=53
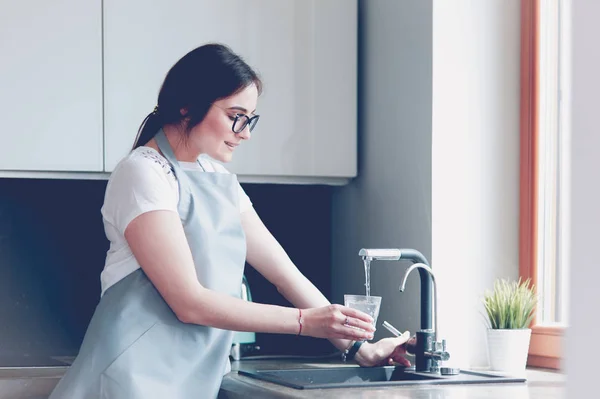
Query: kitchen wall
x=475 y=154
x=389 y=204
x=52 y=249
x=438 y=161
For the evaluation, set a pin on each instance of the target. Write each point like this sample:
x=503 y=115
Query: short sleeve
x=136 y=186
x=245 y=203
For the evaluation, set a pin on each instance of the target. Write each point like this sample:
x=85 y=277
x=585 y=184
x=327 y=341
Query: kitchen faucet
x=428 y=351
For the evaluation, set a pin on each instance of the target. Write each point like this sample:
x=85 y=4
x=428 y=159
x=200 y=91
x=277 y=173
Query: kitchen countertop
x=37 y=383
x=541 y=384
x=29 y=382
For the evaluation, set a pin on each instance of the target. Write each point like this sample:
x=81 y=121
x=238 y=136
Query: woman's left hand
x=385 y=352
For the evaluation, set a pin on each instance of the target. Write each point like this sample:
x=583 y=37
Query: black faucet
x=428 y=351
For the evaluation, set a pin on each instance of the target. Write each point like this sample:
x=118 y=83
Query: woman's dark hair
x=203 y=76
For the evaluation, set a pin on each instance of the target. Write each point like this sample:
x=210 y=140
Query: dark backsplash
x=52 y=250
x=300 y=218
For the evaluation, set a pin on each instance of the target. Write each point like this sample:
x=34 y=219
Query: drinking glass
x=367 y=304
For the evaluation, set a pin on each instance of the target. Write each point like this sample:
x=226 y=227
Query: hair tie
x=155 y=110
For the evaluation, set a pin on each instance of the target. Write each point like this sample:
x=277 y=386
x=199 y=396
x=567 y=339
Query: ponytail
x=149 y=127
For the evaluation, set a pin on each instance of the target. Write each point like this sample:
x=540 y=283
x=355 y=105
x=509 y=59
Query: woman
x=180 y=229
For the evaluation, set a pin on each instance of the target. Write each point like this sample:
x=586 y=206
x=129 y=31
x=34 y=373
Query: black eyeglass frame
x=249 y=122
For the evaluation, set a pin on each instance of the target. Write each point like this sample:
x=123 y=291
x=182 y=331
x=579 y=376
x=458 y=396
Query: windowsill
x=536 y=374
x=545 y=347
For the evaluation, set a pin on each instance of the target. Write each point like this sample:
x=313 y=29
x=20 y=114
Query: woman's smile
x=231 y=145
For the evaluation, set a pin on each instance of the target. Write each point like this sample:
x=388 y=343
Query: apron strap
x=182 y=178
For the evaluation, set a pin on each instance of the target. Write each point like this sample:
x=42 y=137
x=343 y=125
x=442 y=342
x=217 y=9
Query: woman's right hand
x=337 y=321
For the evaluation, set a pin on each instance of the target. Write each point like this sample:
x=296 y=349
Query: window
x=544 y=185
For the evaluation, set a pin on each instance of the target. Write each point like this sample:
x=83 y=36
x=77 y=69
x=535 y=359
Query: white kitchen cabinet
x=51 y=86
x=304 y=50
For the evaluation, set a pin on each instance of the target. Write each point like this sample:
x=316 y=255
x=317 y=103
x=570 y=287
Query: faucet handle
x=440 y=346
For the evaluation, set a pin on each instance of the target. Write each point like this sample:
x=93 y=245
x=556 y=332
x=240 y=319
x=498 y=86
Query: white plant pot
x=508 y=349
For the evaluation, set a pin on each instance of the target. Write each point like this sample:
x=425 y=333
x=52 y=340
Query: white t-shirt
x=142 y=182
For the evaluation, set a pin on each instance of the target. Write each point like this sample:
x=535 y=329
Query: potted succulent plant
x=509 y=308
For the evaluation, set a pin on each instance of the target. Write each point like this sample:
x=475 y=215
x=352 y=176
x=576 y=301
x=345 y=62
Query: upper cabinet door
x=51 y=86
x=304 y=50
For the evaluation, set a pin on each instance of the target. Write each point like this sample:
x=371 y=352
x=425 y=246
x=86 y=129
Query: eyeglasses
x=240 y=121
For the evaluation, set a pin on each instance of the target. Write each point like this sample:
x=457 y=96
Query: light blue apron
x=135 y=347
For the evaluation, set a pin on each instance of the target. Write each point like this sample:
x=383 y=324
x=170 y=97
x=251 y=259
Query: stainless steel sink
x=346 y=377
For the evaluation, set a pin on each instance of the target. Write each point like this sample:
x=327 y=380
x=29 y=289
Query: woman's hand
x=337 y=321
x=384 y=352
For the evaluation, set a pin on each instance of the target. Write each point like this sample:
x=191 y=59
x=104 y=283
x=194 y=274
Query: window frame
x=546 y=342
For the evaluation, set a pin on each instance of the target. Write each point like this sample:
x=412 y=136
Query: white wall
x=475 y=207
x=580 y=353
x=389 y=204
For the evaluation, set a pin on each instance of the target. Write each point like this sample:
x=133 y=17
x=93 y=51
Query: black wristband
x=352 y=351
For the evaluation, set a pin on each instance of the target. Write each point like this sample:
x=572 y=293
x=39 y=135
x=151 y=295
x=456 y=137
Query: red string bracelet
x=300 y=321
